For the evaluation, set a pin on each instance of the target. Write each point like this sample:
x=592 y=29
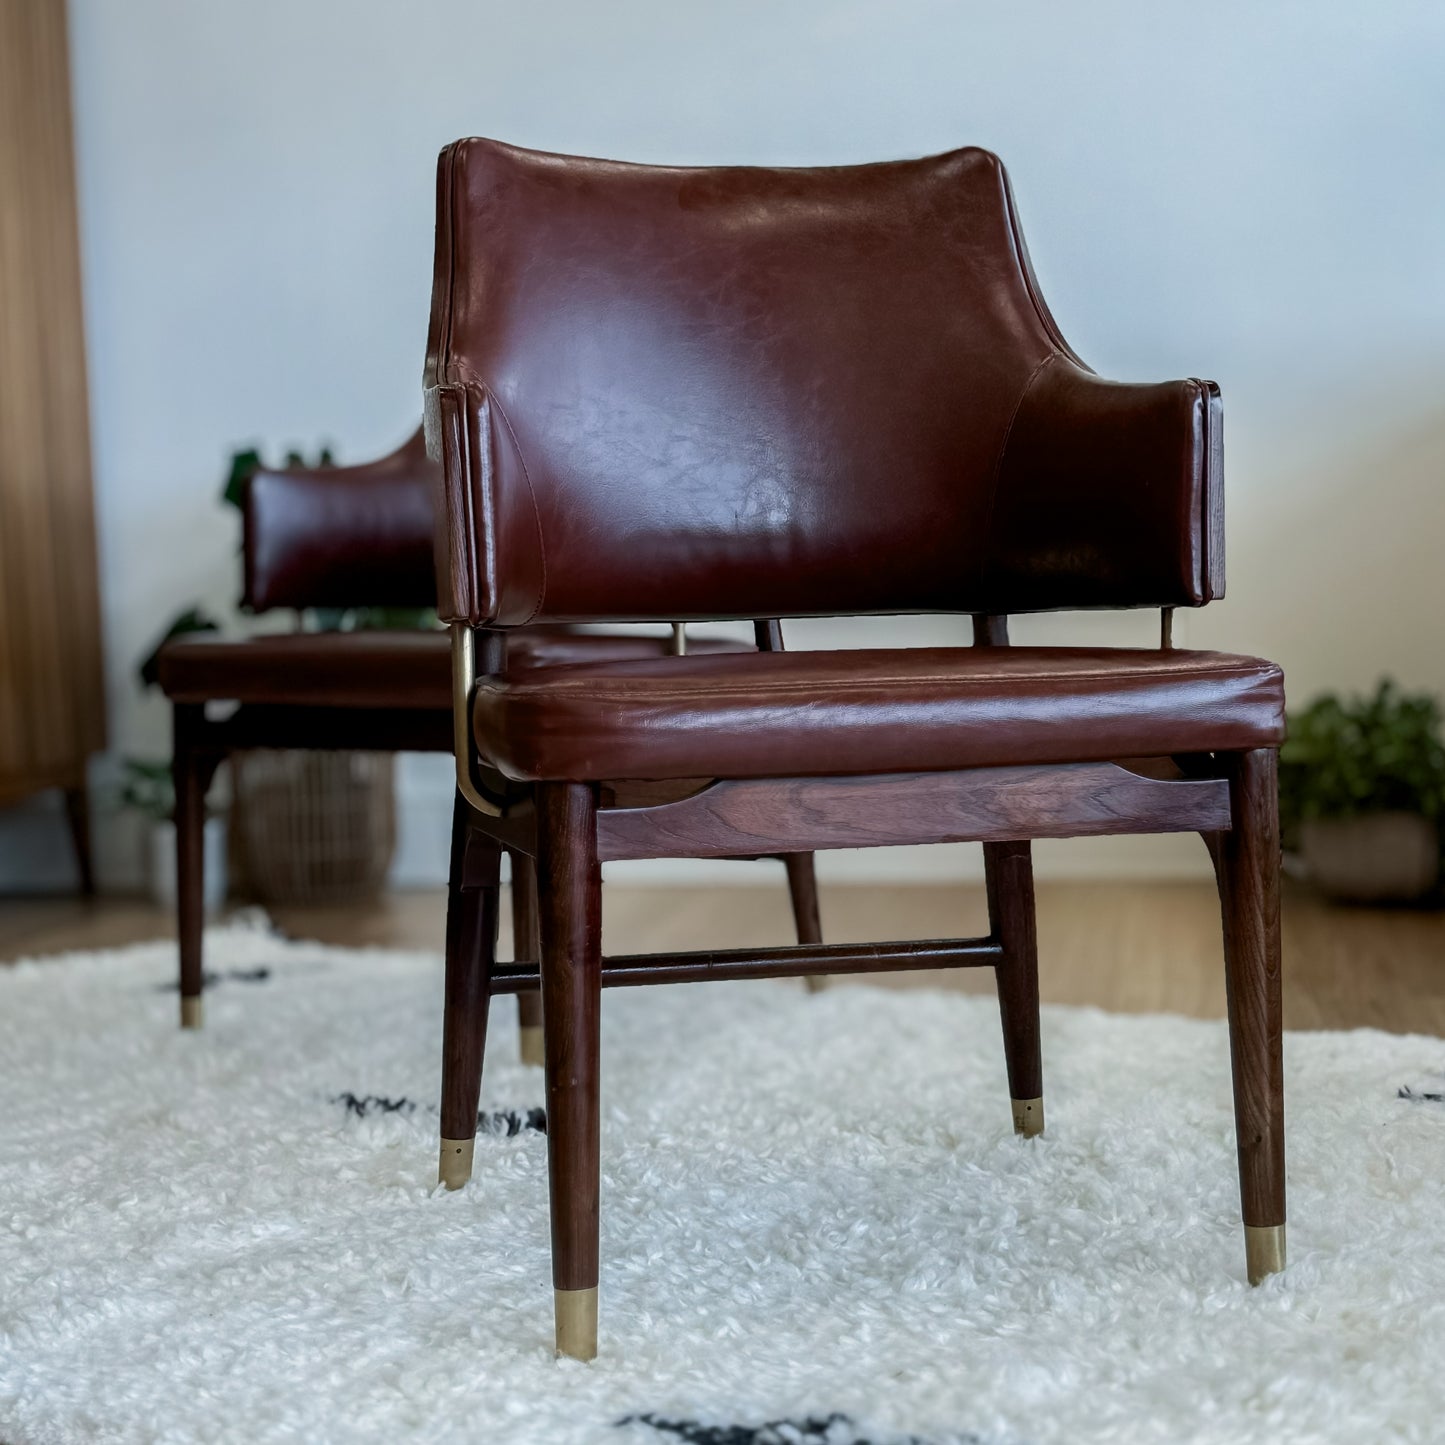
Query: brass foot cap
x=532 y=1049
x=1263 y=1250
x=576 y=1315
x=192 y=1012
x=454 y=1165
x=1028 y=1117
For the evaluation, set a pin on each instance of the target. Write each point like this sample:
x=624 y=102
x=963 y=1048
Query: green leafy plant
x=247 y=462
x=146 y=786
x=191 y=620
x=373 y=619
x=1347 y=757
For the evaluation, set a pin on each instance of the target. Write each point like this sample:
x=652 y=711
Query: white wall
x=1248 y=192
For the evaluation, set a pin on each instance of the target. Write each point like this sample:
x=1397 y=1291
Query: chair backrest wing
x=671 y=393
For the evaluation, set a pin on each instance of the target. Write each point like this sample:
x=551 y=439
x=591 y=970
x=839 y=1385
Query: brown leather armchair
x=660 y=392
x=348 y=537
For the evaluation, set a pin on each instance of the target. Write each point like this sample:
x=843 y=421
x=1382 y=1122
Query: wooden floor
x=1132 y=948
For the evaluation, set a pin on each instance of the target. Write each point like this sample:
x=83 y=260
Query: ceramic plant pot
x=1375 y=858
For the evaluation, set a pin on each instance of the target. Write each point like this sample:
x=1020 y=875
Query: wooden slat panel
x=51 y=698
x=791 y=815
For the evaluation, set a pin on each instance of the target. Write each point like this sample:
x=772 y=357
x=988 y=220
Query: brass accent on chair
x=193 y=1012
x=679 y=639
x=1264 y=1251
x=576 y=1318
x=1028 y=1117
x=464 y=682
x=454 y=1166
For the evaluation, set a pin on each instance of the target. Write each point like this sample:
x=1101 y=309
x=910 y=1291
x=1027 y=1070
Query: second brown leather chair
x=345 y=537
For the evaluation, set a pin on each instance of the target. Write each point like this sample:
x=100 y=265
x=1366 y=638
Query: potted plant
x=1362 y=794
x=147 y=788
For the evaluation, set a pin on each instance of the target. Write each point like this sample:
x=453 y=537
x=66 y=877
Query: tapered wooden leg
x=1009 y=872
x=1248 y=861
x=191 y=770
x=570 y=880
x=526 y=945
x=803 y=890
x=473 y=893
x=77 y=815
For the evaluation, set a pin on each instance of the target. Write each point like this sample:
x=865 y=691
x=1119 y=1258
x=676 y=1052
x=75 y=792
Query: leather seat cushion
x=794 y=714
x=377 y=669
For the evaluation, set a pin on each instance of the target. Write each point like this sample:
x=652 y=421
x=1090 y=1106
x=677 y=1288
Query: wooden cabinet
x=51 y=697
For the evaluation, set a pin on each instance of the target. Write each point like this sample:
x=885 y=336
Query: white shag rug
x=817 y=1224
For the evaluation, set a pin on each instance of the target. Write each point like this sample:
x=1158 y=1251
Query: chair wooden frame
x=295 y=557
x=571 y=828
x=492 y=816
x=202 y=744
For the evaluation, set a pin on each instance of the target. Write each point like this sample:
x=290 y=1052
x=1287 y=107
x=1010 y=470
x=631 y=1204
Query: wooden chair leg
x=1009 y=873
x=570 y=880
x=191 y=771
x=77 y=816
x=526 y=944
x=803 y=890
x=1248 y=862
x=473 y=897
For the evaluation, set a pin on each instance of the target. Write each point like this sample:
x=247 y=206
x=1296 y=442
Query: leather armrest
x=343 y=536
x=1110 y=494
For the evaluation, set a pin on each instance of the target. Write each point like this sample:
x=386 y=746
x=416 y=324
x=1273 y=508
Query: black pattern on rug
x=507 y=1123
x=368 y=1106
x=835 y=1429
x=510 y=1123
x=1429 y=1088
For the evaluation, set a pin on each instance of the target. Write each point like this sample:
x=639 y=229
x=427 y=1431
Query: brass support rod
x=464 y=682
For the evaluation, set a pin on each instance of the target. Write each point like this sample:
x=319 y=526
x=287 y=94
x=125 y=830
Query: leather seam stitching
x=1195 y=479
x=1025 y=269
x=986 y=560
x=593 y=691
x=536 y=511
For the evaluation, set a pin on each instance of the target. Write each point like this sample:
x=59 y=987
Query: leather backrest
x=358 y=536
x=674 y=393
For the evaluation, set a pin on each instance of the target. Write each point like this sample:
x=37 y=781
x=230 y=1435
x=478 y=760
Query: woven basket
x=313 y=827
